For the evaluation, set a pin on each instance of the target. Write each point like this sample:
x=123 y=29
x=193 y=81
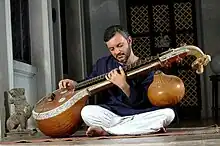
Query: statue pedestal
x=14 y=132
x=20 y=134
x=215 y=79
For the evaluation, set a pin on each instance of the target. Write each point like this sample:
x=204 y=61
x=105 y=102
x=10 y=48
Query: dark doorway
x=157 y=25
x=63 y=37
x=20 y=30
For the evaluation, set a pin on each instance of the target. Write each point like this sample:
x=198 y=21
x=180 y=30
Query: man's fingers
x=110 y=74
x=67 y=83
x=114 y=71
x=121 y=70
x=64 y=84
x=60 y=85
x=107 y=78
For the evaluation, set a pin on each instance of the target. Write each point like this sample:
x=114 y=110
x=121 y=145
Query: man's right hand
x=67 y=83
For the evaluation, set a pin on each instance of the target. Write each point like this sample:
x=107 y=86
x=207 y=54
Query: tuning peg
x=167 y=64
x=183 y=44
x=179 y=60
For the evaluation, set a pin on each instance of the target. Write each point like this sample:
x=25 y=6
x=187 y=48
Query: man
x=126 y=110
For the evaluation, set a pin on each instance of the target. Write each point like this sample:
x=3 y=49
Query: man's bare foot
x=162 y=130
x=96 y=131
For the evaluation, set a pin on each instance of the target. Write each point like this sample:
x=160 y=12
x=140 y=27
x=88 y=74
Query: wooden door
x=157 y=25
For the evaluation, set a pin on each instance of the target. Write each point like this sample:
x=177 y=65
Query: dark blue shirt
x=115 y=99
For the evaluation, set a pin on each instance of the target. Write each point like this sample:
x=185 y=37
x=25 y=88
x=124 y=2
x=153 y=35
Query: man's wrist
x=125 y=88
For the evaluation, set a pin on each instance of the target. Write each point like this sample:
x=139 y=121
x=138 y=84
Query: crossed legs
x=104 y=122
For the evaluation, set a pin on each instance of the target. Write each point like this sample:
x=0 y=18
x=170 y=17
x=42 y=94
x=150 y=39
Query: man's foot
x=162 y=130
x=96 y=131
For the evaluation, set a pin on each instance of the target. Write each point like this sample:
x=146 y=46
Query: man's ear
x=129 y=40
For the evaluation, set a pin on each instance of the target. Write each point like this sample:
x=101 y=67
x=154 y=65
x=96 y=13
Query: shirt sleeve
x=138 y=89
x=94 y=72
x=98 y=68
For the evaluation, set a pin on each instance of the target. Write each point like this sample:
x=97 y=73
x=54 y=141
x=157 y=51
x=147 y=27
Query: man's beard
x=123 y=58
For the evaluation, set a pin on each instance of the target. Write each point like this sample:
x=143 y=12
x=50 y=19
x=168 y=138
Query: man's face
x=120 y=47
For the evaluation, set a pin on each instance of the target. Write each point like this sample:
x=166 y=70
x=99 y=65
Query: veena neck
x=139 y=62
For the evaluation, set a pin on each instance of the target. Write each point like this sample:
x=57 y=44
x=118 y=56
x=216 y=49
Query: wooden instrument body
x=166 y=90
x=59 y=114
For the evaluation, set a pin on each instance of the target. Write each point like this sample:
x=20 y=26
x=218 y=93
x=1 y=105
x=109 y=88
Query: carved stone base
x=24 y=133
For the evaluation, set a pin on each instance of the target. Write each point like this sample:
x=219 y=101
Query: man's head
x=118 y=42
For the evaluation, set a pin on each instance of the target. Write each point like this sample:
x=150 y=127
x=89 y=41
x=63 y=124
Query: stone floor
x=181 y=140
x=190 y=135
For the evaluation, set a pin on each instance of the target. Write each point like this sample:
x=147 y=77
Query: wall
x=103 y=13
x=85 y=24
x=6 y=58
x=25 y=77
x=75 y=39
x=58 y=64
x=41 y=33
x=210 y=23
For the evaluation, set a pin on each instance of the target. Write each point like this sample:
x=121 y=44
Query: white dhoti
x=144 y=123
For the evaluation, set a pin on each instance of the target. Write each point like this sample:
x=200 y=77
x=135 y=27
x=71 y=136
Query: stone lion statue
x=18 y=120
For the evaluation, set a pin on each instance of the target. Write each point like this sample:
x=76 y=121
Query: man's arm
x=70 y=84
x=93 y=73
x=98 y=68
x=119 y=79
x=126 y=89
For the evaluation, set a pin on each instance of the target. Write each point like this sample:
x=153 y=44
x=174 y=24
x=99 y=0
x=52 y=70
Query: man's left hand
x=117 y=78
